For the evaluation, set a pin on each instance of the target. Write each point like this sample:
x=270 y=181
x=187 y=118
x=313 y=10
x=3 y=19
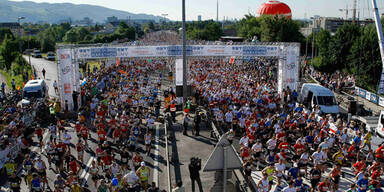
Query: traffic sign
x=223 y=151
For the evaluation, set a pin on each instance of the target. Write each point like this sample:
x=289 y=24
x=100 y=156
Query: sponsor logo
x=66 y=70
x=64 y=56
x=291 y=66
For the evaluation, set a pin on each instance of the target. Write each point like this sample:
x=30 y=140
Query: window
x=326 y=100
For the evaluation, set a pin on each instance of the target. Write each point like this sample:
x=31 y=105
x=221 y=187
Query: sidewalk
x=187 y=146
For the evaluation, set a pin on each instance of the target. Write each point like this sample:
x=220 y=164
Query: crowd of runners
x=283 y=139
x=120 y=106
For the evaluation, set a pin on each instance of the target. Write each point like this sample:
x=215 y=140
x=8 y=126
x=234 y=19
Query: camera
x=195 y=161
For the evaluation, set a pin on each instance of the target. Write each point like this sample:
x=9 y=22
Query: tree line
x=353 y=49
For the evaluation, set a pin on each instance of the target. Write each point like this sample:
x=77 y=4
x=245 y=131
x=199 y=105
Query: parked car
x=37 y=54
x=50 y=56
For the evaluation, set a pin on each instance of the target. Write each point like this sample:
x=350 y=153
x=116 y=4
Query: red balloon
x=274 y=7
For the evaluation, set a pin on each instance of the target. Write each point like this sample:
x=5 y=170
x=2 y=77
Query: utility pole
x=354 y=11
x=20 y=48
x=184 y=55
x=217 y=10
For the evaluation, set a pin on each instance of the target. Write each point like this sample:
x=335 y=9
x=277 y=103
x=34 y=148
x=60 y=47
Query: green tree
x=364 y=59
x=125 y=31
x=341 y=44
x=249 y=27
x=8 y=51
x=4 y=32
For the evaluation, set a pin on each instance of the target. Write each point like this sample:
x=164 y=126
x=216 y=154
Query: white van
x=312 y=94
x=35 y=88
x=380 y=123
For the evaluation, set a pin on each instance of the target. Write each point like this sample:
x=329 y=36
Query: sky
x=230 y=9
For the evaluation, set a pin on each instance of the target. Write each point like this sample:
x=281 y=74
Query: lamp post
x=20 y=48
x=184 y=55
x=164 y=17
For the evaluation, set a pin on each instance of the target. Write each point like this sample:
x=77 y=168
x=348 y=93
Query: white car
x=50 y=56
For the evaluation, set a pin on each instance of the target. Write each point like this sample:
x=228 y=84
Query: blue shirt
x=362 y=183
x=294 y=172
x=357 y=140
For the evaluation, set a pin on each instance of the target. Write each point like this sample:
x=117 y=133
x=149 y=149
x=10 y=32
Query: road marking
x=156 y=163
x=85 y=173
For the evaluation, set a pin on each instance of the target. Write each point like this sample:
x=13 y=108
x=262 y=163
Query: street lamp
x=164 y=17
x=20 y=48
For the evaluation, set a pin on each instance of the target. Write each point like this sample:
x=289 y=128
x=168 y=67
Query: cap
x=142 y=163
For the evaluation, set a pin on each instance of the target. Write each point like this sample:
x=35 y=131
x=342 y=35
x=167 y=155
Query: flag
x=31 y=76
x=121 y=71
x=117 y=62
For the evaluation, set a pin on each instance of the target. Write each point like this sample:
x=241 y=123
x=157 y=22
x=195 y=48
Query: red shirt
x=284 y=145
x=102 y=134
x=78 y=128
x=380 y=152
x=112 y=122
x=280 y=135
x=358 y=166
x=299 y=147
x=101 y=126
x=84 y=131
x=375 y=177
x=73 y=166
x=61 y=147
x=107 y=160
x=324 y=186
x=39 y=132
x=117 y=133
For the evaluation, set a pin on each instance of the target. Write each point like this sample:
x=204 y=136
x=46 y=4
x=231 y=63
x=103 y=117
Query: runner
x=143 y=172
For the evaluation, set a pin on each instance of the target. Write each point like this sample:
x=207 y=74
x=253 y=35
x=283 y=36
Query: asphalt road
x=50 y=75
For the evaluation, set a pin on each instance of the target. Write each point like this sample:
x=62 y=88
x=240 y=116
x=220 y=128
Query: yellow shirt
x=338 y=157
x=143 y=173
x=10 y=167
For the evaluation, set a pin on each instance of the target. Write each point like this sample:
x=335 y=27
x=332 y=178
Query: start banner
x=177 y=50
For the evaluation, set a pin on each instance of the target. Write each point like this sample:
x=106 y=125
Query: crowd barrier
x=372 y=97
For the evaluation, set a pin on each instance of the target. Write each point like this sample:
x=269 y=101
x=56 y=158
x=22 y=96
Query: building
x=112 y=19
x=331 y=24
x=14 y=27
x=199 y=18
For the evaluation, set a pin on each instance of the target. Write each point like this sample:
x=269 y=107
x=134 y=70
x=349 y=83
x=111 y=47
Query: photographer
x=194 y=168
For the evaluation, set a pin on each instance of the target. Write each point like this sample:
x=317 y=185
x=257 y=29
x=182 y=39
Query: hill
x=56 y=12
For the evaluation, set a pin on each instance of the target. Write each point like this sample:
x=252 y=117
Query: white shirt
x=317 y=157
x=271 y=143
x=228 y=117
x=244 y=140
x=67 y=138
x=279 y=168
x=131 y=178
x=289 y=189
x=257 y=147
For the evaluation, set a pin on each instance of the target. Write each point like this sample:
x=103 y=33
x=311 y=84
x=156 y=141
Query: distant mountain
x=56 y=12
